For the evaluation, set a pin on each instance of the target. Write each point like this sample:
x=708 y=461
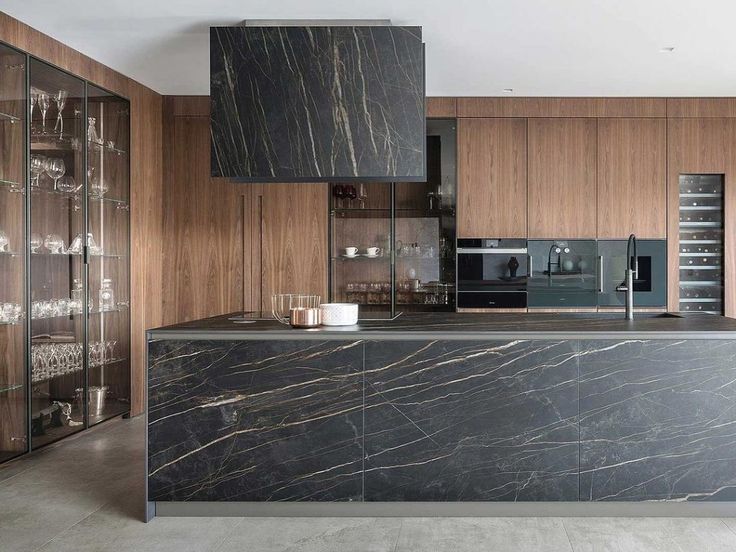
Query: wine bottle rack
x=701 y=243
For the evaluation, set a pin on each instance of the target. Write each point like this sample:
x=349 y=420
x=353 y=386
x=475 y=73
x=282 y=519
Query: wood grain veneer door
x=492 y=191
x=293 y=240
x=562 y=178
x=632 y=183
x=701 y=146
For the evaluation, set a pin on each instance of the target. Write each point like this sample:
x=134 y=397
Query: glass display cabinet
x=393 y=244
x=13 y=382
x=64 y=254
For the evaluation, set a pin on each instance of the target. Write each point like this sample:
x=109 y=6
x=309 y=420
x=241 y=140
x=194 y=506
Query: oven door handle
x=530 y=262
x=480 y=251
x=600 y=273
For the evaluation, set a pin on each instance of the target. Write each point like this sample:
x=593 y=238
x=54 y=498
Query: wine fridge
x=701 y=243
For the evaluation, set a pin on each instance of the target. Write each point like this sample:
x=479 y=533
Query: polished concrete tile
x=314 y=535
x=650 y=534
x=474 y=534
x=86 y=494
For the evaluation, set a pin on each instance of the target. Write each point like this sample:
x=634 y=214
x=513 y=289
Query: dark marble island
x=442 y=408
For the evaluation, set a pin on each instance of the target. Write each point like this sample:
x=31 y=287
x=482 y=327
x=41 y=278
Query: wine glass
x=351 y=194
x=33 y=99
x=362 y=195
x=55 y=168
x=339 y=192
x=60 y=99
x=4 y=241
x=67 y=184
x=36 y=242
x=38 y=164
x=44 y=102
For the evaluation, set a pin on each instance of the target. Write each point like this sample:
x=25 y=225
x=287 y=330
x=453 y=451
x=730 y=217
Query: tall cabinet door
x=632 y=183
x=108 y=243
x=492 y=179
x=562 y=178
x=289 y=242
x=58 y=270
x=13 y=389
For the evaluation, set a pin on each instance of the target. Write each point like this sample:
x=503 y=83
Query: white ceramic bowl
x=339 y=314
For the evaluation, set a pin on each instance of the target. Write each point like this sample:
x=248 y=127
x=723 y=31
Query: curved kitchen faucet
x=632 y=272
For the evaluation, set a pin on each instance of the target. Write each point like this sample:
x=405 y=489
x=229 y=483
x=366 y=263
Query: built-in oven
x=492 y=273
x=650 y=283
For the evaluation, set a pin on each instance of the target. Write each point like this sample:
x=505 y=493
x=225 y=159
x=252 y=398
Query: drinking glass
x=4 y=241
x=44 y=102
x=92 y=136
x=55 y=168
x=60 y=99
x=110 y=349
x=351 y=194
x=339 y=192
x=362 y=195
x=67 y=184
x=38 y=162
x=36 y=242
x=33 y=99
x=54 y=243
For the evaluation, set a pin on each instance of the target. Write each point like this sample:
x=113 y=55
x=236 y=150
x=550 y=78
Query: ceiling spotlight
x=508 y=90
x=667 y=49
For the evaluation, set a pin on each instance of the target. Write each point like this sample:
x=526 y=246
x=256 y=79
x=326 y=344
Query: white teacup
x=351 y=251
x=372 y=251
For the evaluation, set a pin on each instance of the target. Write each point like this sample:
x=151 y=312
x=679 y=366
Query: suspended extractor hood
x=317 y=103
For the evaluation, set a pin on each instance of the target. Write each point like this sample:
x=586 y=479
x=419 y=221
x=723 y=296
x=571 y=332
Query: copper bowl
x=304 y=317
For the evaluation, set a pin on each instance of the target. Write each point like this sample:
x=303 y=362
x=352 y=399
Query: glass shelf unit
x=701 y=243
x=64 y=254
x=412 y=228
x=13 y=271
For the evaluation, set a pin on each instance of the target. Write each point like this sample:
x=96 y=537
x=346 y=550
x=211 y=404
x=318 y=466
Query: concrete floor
x=86 y=494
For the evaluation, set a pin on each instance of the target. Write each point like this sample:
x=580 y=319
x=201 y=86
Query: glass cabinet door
x=13 y=390
x=360 y=257
x=57 y=272
x=108 y=138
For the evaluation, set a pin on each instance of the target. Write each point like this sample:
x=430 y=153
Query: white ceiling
x=474 y=47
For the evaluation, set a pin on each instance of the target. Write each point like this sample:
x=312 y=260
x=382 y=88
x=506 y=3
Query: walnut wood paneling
x=293 y=239
x=441 y=107
x=145 y=159
x=492 y=178
x=562 y=174
x=701 y=107
x=701 y=146
x=203 y=220
x=561 y=107
x=632 y=182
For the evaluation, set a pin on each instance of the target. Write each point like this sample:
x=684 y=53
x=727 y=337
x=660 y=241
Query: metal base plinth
x=443 y=509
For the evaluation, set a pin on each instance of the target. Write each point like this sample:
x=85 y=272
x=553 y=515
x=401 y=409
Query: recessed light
x=667 y=49
x=508 y=90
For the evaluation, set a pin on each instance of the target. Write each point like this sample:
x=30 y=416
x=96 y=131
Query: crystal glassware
x=44 y=102
x=67 y=184
x=55 y=168
x=54 y=243
x=60 y=99
x=107 y=295
x=37 y=166
x=92 y=136
x=36 y=242
x=4 y=242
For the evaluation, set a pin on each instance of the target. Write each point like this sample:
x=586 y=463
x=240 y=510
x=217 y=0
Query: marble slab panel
x=317 y=103
x=658 y=420
x=255 y=421
x=469 y=421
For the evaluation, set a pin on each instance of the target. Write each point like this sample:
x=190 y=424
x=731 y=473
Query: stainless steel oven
x=492 y=273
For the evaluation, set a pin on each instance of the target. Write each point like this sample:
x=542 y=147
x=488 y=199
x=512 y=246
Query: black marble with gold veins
x=317 y=103
x=452 y=419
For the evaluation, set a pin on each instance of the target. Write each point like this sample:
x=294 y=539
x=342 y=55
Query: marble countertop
x=456 y=326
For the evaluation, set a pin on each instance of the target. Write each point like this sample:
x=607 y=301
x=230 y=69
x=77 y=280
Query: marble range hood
x=319 y=103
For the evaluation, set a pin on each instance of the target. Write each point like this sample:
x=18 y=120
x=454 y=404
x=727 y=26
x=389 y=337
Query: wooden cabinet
x=562 y=173
x=286 y=249
x=631 y=178
x=492 y=190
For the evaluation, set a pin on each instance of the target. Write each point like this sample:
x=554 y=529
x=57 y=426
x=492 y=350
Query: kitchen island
x=432 y=409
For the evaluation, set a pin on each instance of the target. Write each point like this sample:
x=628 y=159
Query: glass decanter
x=107 y=296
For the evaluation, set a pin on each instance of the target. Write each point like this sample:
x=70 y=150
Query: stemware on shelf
x=107 y=295
x=37 y=167
x=92 y=136
x=54 y=243
x=36 y=242
x=362 y=195
x=44 y=102
x=67 y=184
x=60 y=99
x=55 y=168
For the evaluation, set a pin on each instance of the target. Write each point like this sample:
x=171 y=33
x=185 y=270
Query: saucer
x=371 y=256
x=345 y=255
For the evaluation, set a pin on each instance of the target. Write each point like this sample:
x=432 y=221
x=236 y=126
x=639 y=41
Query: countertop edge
x=409 y=335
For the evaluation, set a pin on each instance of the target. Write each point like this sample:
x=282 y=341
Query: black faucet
x=632 y=272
